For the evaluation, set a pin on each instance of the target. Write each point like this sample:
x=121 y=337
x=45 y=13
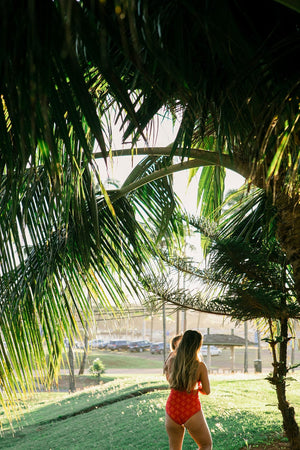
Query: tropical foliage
x=58 y=277
x=257 y=282
x=230 y=74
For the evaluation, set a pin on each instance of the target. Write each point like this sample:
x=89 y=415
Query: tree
x=257 y=283
x=72 y=382
x=236 y=87
x=97 y=368
x=248 y=278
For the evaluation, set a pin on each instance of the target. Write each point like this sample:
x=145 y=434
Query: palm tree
x=233 y=75
x=237 y=89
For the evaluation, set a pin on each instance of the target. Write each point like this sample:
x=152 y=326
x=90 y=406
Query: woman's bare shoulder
x=202 y=367
x=202 y=364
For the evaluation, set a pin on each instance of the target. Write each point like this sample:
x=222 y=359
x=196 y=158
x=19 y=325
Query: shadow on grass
x=120 y=398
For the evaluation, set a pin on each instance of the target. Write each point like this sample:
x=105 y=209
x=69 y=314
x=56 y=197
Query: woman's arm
x=203 y=377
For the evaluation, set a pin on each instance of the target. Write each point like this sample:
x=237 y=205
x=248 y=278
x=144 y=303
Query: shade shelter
x=224 y=340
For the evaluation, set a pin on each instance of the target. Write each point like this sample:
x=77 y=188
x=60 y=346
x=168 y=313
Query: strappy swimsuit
x=182 y=405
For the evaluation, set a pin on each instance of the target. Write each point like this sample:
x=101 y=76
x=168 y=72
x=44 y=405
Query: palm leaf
x=157 y=201
x=43 y=290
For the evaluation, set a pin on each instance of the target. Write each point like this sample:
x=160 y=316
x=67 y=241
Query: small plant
x=97 y=368
x=246 y=443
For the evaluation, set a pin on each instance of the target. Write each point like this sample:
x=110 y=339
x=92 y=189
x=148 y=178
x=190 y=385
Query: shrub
x=97 y=368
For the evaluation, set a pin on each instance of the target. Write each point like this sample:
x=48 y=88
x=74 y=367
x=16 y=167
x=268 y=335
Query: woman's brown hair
x=185 y=368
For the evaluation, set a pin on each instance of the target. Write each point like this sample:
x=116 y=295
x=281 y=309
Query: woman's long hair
x=184 y=373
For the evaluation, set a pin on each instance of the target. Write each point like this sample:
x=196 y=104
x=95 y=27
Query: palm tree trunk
x=85 y=351
x=246 y=347
x=71 y=368
x=279 y=380
x=288 y=233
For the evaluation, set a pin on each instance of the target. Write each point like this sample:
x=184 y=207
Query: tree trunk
x=71 y=368
x=279 y=380
x=288 y=233
x=246 y=347
x=85 y=351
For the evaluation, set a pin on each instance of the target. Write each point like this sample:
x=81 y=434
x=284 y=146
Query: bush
x=97 y=368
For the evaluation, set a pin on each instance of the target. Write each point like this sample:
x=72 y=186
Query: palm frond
x=157 y=201
x=43 y=289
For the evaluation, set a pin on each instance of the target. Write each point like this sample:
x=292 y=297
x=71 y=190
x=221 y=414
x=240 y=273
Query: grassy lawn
x=125 y=360
x=240 y=410
x=120 y=360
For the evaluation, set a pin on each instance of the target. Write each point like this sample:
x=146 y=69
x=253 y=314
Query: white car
x=214 y=351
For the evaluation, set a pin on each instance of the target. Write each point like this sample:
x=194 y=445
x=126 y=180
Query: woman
x=187 y=376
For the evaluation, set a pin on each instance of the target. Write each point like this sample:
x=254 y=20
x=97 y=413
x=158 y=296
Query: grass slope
x=239 y=410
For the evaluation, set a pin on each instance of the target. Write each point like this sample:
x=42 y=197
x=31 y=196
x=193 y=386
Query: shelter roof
x=225 y=340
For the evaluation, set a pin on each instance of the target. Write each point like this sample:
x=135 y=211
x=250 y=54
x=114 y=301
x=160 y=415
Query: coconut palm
x=236 y=87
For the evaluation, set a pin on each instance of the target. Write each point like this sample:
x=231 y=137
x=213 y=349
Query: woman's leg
x=198 y=429
x=175 y=433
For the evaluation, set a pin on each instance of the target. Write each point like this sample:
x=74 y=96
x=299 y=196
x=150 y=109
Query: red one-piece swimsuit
x=182 y=405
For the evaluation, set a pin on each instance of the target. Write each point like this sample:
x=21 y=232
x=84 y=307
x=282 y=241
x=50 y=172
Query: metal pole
x=183 y=320
x=246 y=347
x=258 y=345
x=164 y=330
x=144 y=324
x=177 y=321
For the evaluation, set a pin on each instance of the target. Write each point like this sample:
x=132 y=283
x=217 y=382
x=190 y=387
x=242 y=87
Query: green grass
x=121 y=360
x=239 y=410
x=124 y=360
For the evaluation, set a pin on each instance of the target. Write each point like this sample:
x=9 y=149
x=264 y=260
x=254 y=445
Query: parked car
x=138 y=346
x=214 y=351
x=158 y=348
x=97 y=343
x=78 y=344
x=146 y=345
x=117 y=345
